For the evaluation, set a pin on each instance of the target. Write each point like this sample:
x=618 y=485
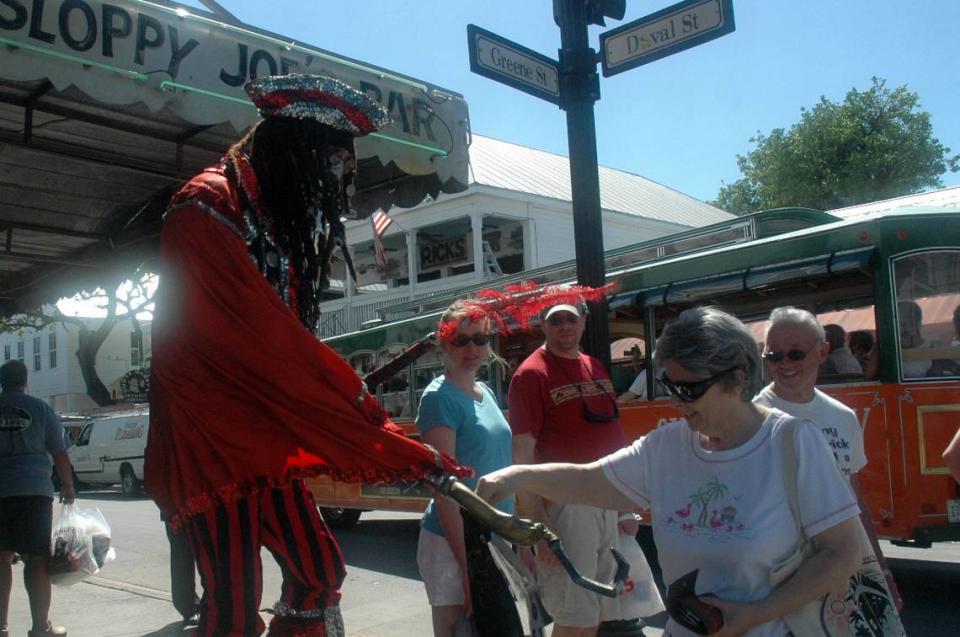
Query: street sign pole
x=580 y=88
x=573 y=84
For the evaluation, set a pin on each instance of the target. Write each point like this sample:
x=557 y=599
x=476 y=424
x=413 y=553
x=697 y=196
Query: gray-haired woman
x=712 y=480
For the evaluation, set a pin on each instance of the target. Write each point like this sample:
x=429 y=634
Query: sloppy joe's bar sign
x=165 y=57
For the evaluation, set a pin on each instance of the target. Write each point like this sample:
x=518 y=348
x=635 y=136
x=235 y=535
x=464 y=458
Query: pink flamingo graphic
x=685 y=511
x=715 y=522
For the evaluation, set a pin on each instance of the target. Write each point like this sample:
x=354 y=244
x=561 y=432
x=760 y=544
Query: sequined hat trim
x=317 y=97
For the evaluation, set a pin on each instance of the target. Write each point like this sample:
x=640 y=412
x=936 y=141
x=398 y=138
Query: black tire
x=339 y=518
x=129 y=483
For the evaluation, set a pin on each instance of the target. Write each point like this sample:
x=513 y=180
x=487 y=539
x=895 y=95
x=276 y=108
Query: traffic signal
x=597 y=10
x=594 y=10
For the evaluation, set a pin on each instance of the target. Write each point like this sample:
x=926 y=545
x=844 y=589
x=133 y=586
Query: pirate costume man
x=245 y=401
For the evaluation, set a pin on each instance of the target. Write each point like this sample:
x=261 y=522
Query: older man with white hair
x=795 y=347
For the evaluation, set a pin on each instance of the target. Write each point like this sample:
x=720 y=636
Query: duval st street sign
x=512 y=64
x=572 y=83
x=671 y=30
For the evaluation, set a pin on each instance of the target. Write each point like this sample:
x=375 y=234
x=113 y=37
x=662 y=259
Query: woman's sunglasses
x=462 y=340
x=794 y=355
x=689 y=392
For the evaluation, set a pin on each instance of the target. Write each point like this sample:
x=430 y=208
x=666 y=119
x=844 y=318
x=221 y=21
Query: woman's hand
x=737 y=618
x=498 y=485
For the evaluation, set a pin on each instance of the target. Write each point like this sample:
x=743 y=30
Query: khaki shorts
x=439 y=570
x=587 y=533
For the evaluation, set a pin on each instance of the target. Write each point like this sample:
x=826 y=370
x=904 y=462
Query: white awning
x=179 y=62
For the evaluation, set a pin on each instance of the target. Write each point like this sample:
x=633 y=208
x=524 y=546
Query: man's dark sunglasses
x=478 y=339
x=591 y=416
x=689 y=392
x=795 y=355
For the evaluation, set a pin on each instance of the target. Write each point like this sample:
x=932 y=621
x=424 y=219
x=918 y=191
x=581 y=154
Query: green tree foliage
x=874 y=145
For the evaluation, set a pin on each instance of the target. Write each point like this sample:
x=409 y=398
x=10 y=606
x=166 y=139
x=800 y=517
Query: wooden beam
x=36 y=258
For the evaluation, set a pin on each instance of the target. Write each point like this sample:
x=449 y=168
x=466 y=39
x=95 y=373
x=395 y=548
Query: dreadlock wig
x=298 y=181
x=296 y=171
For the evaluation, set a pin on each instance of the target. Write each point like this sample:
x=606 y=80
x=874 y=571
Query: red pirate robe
x=243 y=396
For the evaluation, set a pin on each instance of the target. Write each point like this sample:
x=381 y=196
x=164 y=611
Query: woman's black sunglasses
x=461 y=340
x=795 y=355
x=689 y=392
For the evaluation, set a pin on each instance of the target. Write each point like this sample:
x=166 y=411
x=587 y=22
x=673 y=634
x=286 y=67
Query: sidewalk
x=101 y=607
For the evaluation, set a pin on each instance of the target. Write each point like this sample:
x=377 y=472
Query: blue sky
x=681 y=120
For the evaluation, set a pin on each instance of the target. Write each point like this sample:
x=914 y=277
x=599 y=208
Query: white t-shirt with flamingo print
x=726 y=512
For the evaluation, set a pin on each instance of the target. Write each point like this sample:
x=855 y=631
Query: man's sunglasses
x=689 y=392
x=591 y=416
x=462 y=340
x=794 y=355
x=594 y=417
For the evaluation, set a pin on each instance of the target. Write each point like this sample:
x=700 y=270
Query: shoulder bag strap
x=789 y=466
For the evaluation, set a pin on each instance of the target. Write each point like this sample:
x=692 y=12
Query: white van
x=110 y=449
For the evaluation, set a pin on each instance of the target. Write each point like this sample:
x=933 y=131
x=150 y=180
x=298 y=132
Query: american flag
x=380 y=222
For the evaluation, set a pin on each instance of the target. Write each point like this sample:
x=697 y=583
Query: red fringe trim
x=238 y=490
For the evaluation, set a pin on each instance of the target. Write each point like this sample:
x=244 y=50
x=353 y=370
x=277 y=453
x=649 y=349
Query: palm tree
x=715 y=491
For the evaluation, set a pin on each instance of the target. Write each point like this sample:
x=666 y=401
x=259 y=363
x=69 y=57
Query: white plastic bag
x=640 y=597
x=81 y=545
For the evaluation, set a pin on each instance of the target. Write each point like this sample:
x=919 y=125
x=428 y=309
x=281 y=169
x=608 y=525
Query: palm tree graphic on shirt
x=714 y=490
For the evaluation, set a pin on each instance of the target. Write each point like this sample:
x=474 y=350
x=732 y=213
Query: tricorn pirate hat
x=319 y=98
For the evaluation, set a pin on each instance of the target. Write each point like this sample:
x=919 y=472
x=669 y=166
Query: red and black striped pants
x=226 y=542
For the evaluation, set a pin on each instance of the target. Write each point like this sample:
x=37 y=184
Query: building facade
x=50 y=354
x=515 y=216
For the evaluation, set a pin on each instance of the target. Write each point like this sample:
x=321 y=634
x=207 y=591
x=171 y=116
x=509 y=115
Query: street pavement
x=383 y=595
x=130 y=597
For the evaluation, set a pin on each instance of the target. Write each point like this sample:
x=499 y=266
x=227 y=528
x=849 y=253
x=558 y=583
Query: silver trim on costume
x=363 y=394
x=207 y=209
x=331 y=616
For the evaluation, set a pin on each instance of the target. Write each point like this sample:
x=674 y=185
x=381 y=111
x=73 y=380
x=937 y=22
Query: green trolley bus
x=894 y=274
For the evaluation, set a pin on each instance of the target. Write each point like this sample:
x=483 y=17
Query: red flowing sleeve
x=243 y=397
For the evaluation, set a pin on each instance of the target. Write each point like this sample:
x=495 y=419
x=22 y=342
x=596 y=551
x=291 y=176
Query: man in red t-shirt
x=563 y=409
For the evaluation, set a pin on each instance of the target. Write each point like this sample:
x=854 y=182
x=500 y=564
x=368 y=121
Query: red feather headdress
x=517 y=307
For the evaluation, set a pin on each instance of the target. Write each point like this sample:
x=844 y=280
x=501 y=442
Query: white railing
x=347 y=315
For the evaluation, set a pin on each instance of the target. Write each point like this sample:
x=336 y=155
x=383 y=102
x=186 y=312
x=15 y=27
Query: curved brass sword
x=527 y=533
